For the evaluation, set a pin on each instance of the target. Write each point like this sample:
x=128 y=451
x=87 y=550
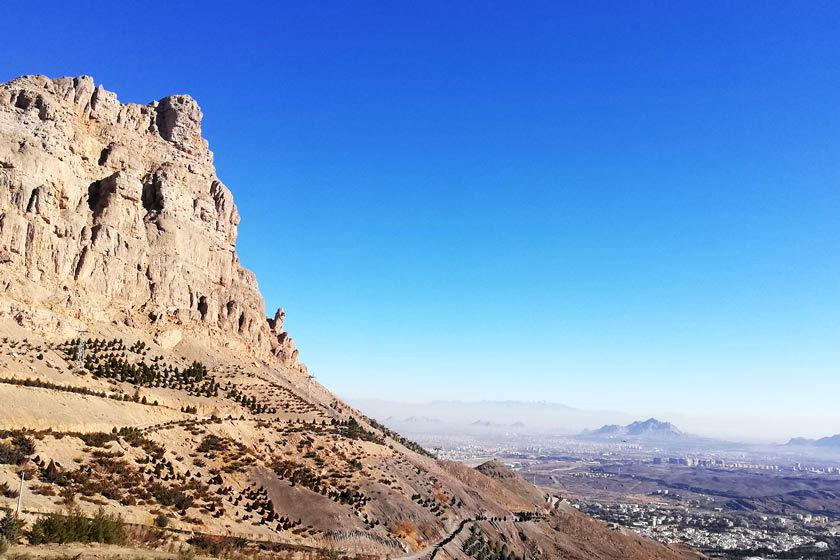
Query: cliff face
x=113 y=212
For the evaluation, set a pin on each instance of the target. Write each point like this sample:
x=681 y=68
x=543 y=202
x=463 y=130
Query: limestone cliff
x=114 y=212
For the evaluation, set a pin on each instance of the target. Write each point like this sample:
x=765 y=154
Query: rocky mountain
x=485 y=424
x=640 y=429
x=139 y=373
x=113 y=212
x=825 y=442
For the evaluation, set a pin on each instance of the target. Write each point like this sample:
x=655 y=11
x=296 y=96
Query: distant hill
x=829 y=441
x=485 y=417
x=484 y=424
x=640 y=429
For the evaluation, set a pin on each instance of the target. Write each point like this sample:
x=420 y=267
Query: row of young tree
x=109 y=359
x=62 y=528
x=477 y=546
x=41 y=384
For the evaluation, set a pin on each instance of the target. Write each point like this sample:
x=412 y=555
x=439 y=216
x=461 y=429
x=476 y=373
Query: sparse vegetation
x=75 y=527
x=477 y=546
x=98 y=439
x=217 y=546
x=416 y=447
x=7 y=492
x=298 y=473
x=351 y=429
x=212 y=443
x=41 y=384
x=251 y=403
x=109 y=359
x=19 y=448
x=10 y=526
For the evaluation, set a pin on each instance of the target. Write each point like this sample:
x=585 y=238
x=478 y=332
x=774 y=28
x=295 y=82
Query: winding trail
x=431 y=551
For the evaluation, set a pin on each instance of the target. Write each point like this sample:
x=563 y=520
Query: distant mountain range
x=413 y=420
x=486 y=416
x=830 y=441
x=640 y=429
x=425 y=420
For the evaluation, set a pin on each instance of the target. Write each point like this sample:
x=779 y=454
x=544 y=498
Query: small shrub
x=97 y=439
x=10 y=526
x=216 y=545
x=17 y=450
x=161 y=521
x=7 y=492
x=24 y=444
x=212 y=443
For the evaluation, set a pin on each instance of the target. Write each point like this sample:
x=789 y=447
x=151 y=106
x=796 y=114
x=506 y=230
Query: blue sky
x=612 y=205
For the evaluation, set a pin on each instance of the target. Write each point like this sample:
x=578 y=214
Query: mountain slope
x=138 y=372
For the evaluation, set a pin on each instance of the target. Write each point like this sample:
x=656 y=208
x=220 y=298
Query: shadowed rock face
x=114 y=212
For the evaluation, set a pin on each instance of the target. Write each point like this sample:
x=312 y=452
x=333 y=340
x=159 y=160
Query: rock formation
x=114 y=212
x=283 y=347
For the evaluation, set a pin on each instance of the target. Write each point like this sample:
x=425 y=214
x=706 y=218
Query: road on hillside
x=430 y=551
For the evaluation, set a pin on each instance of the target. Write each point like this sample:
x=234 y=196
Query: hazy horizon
x=735 y=428
x=629 y=209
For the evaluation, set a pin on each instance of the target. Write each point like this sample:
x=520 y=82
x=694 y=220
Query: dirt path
x=431 y=551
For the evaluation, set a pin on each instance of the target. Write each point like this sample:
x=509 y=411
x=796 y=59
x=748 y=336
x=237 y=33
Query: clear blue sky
x=614 y=205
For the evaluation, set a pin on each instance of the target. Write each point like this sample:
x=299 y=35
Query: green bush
x=8 y=492
x=216 y=545
x=16 y=451
x=161 y=521
x=75 y=527
x=171 y=496
x=10 y=526
x=97 y=439
x=212 y=443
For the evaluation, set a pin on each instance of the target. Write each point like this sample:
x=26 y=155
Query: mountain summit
x=139 y=373
x=642 y=429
